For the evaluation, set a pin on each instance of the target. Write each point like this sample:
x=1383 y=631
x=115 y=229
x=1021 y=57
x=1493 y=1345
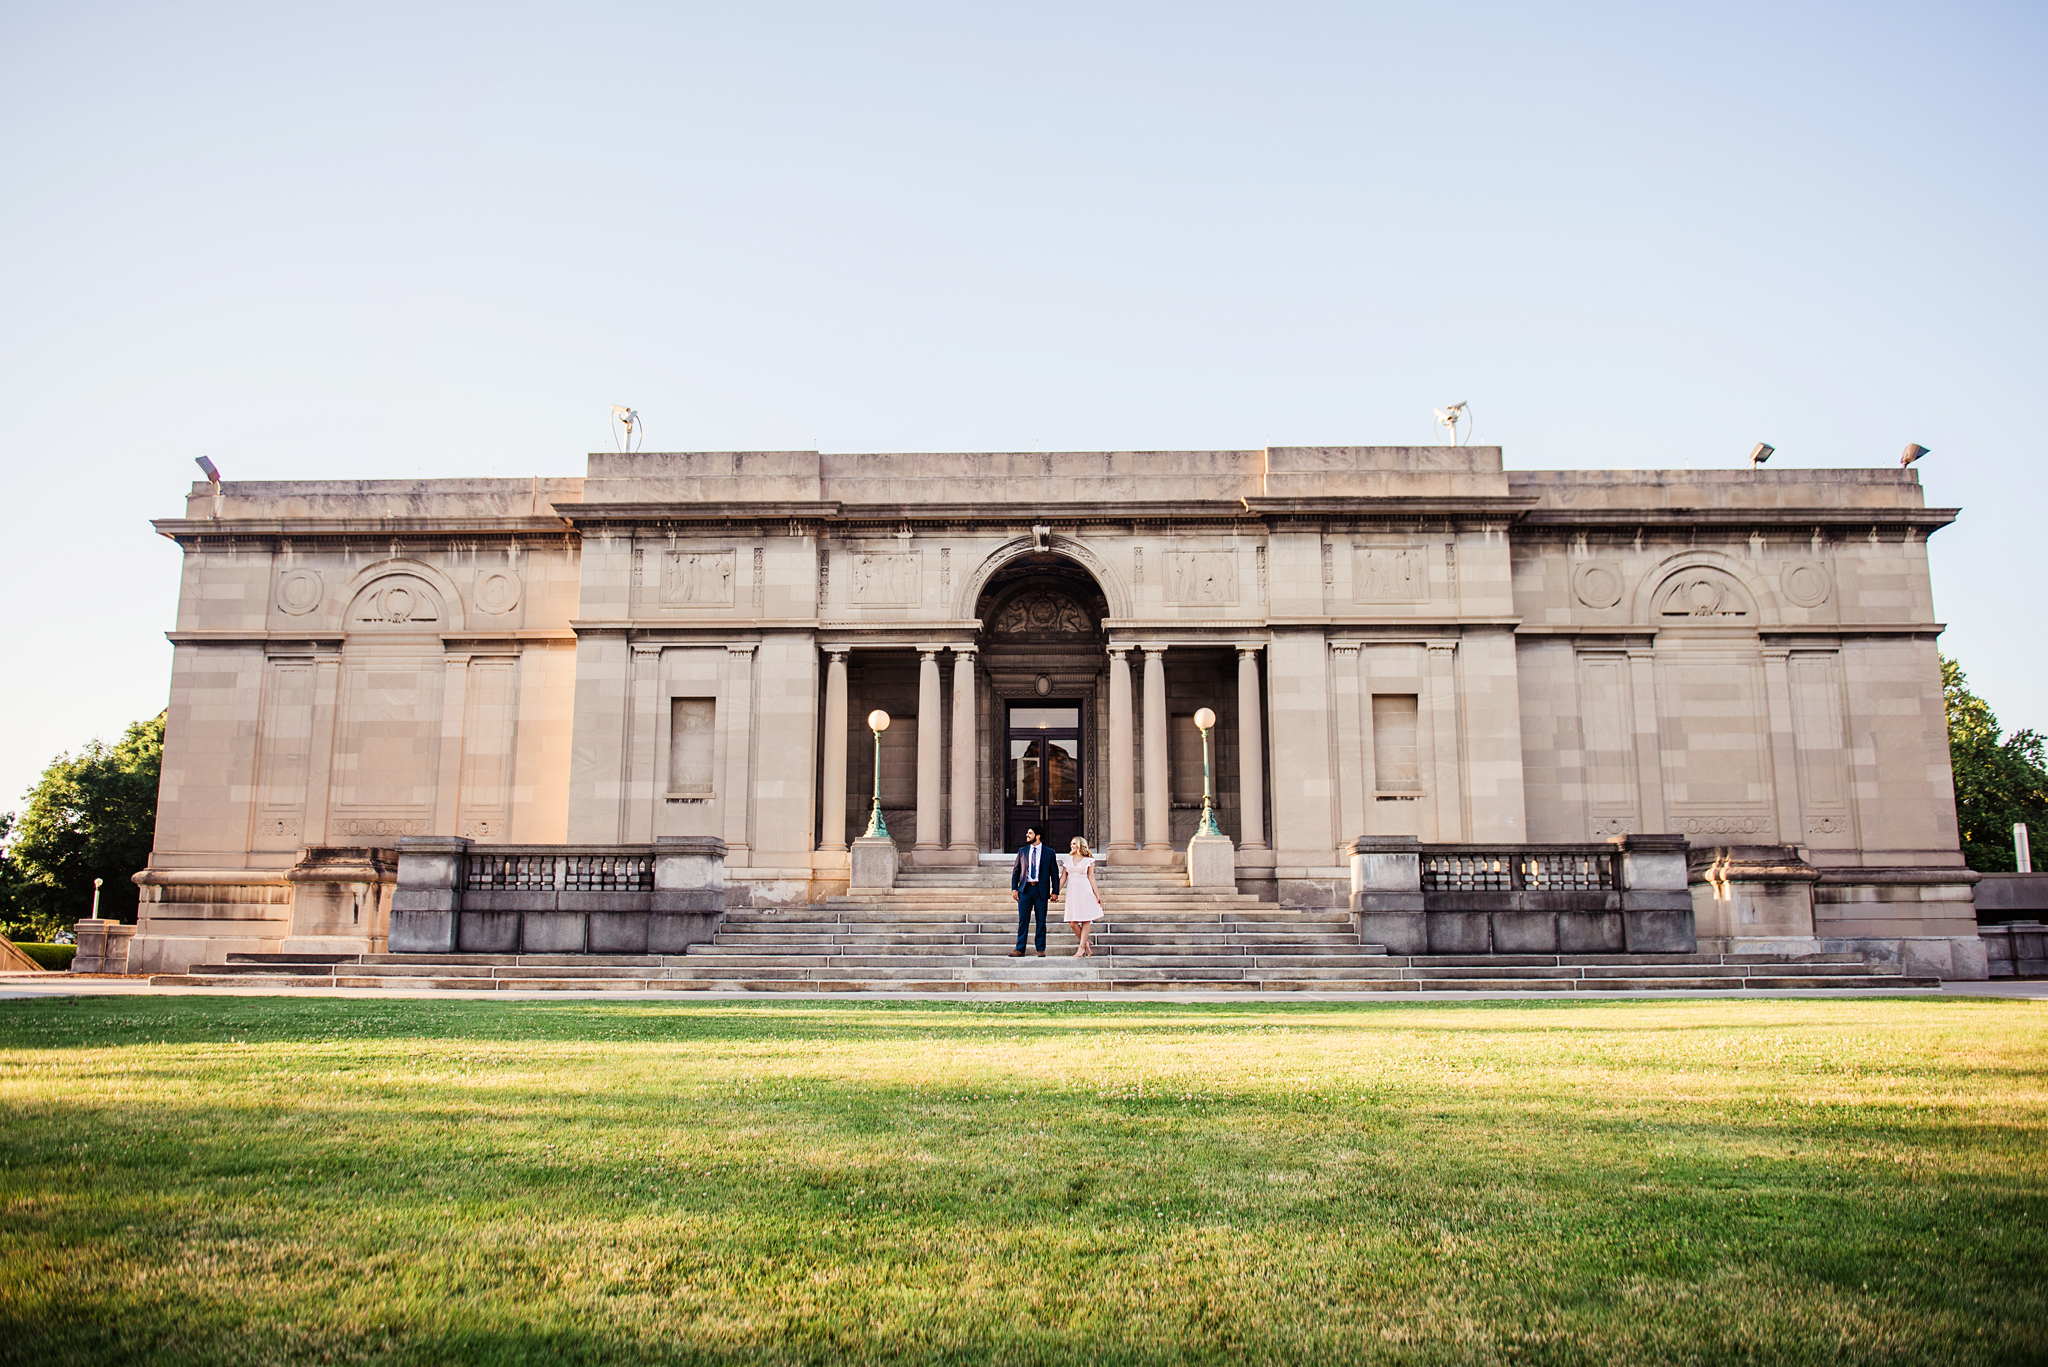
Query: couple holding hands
x=1035 y=879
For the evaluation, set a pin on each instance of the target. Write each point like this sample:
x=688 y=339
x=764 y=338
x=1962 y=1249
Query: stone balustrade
x=457 y=897
x=1623 y=896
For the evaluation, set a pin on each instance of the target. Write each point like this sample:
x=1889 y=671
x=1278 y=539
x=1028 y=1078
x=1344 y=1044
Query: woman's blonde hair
x=1086 y=853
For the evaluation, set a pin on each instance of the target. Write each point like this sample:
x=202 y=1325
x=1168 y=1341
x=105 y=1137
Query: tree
x=1998 y=782
x=92 y=815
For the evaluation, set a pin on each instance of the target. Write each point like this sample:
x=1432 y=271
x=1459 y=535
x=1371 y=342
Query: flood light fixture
x=1914 y=450
x=1760 y=453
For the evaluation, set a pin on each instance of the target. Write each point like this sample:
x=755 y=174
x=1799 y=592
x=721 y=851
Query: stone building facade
x=1396 y=641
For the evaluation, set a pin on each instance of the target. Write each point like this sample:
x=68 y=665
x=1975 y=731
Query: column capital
x=1339 y=647
x=1249 y=652
x=966 y=648
x=645 y=652
x=1438 y=647
x=1153 y=647
x=1118 y=652
x=740 y=648
x=837 y=654
x=929 y=652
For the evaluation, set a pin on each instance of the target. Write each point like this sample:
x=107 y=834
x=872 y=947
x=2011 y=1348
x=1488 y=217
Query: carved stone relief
x=1724 y=825
x=298 y=592
x=1389 y=574
x=396 y=600
x=1703 y=594
x=1597 y=585
x=374 y=828
x=1805 y=584
x=497 y=592
x=1042 y=613
x=696 y=578
x=888 y=581
x=1205 y=578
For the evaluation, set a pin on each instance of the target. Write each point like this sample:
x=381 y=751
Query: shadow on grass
x=117 y=1022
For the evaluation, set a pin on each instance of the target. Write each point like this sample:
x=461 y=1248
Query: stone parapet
x=457 y=897
x=1625 y=896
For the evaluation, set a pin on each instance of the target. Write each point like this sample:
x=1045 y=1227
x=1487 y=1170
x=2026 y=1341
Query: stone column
x=965 y=743
x=833 y=799
x=1158 y=810
x=1123 y=790
x=448 y=786
x=737 y=798
x=1251 y=753
x=930 y=748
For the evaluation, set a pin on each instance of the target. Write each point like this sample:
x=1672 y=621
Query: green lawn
x=317 y=1180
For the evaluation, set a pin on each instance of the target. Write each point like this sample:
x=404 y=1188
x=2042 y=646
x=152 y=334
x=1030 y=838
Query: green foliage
x=56 y=958
x=1998 y=782
x=92 y=815
x=214 y=1180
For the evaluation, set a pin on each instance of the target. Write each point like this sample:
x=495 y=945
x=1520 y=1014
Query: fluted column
x=1158 y=811
x=1251 y=753
x=962 y=837
x=1123 y=788
x=833 y=799
x=930 y=747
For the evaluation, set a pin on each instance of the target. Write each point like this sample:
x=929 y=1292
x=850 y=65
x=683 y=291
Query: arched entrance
x=1042 y=651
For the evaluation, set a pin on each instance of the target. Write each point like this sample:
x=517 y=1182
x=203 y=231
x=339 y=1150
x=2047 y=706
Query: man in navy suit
x=1036 y=881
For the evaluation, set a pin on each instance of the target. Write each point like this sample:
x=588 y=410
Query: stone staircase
x=951 y=931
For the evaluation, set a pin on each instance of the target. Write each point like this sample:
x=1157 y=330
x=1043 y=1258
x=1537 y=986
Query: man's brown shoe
x=1041 y=954
x=1016 y=953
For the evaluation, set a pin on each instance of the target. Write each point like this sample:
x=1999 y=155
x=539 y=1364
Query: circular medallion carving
x=1044 y=684
x=497 y=592
x=298 y=592
x=1597 y=586
x=1806 y=585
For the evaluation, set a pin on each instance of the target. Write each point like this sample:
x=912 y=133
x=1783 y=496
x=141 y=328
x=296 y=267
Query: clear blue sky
x=376 y=240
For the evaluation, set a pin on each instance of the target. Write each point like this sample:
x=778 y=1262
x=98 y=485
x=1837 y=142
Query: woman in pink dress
x=1084 y=898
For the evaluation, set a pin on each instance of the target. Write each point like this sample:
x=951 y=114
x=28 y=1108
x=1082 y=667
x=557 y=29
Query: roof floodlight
x=1760 y=453
x=1914 y=450
x=206 y=467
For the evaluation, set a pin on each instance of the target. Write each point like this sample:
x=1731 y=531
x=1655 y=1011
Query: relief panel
x=396 y=602
x=888 y=581
x=1201 y=578
x=692 y=579
x=1389 y=574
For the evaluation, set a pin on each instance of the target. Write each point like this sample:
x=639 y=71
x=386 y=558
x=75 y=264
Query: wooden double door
x=1042 y=782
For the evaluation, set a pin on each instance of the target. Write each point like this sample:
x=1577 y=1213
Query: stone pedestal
x=689 y=894
x=1753 y=899
x=1657 y=910
x=873 y=864
x=1212 y=862
x=338 y=900
x=102 y=946
x=1386 y=893
x=428 y=899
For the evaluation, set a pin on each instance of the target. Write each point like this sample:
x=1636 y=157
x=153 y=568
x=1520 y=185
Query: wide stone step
x=252 y=958
x=302 y=967
x=252 y=980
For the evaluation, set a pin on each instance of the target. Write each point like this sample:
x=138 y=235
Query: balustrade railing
x=1518 y=871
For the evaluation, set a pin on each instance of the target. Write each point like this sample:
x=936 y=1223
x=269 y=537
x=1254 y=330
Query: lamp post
x=1205 y=721
x=878 y=722
x=95 y=899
